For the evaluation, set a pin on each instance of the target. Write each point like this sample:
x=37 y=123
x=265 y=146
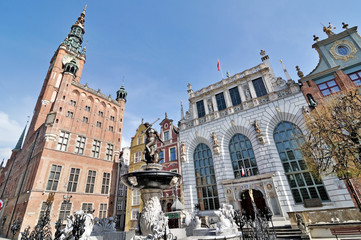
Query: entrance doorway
x=247 y=206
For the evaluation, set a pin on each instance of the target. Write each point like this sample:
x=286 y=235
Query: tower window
x=111 y=128
x=90 y=181
x=80 y=145
x=54 y=177
x=109 y=152
x=63 y=141
x=99 y=124
x=100 y=113
x=85 y=119
x=72 y=102
x=87 y=108
x=70 y=114
x=105 y=183
x=73 y=179
x=95 y=149
x=112 y=118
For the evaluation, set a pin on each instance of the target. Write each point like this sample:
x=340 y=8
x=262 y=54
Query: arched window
x=205 y=179
x=242 y=156
x=303 y=185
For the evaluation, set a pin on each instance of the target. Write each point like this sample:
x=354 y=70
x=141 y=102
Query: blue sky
x=156 y=46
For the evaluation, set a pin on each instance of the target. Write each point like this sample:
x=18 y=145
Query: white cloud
x=5 y=154
x=10 y=131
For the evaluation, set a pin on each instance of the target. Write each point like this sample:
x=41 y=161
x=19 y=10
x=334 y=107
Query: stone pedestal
x=152 y=217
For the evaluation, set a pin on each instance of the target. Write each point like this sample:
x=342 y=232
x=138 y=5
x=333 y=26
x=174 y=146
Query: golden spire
x=81 y=19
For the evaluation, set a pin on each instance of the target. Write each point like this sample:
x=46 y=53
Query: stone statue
x=151 y=155
x=328 y=29
x=215 y=139
x=210 y=105
x=301 y=224
x=256 y=127
x=226 y=224
x=153 y=219
x=103 y=225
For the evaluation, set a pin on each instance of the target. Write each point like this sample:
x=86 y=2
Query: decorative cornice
x=97 y=93
x=309 y=77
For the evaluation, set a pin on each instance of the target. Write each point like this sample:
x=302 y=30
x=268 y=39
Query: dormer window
x=166 y=136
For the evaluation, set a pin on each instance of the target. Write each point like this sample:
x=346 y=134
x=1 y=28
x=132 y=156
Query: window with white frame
x=87 y=207
x=73 y=179
x=105 y=183
x=70 y=114
x=109 y=152
x=72 y=102
x=95 y=149
x=103 y=210
x=80 y=145
x=87 y=108
x=166 y=135
x=172 y=154
x=161 y=157
x=90 y=181
x=135 y=213
x=63 y=141
x=54 y=177
x=85 y=119
x=137 y=157
x=65 y=209
x=120 y=206
x=135 y=197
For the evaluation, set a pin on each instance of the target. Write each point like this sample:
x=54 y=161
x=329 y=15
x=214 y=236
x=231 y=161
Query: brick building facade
x=71 y=148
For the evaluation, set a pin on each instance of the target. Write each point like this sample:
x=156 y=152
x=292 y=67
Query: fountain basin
x=148 y=179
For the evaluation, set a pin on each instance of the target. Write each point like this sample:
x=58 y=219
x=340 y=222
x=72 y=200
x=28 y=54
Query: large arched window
x=303 y=185
x=205 y=179
x=242 y=156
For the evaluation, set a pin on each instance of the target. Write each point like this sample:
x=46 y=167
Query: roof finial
x=81 y=19
x=182 y=113
x=344 y=25
x=288 y=77
x=328 y=29
x=315 y=38
x=299 y=72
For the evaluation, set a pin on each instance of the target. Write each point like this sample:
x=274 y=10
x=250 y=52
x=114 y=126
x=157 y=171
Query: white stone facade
x=283 y=102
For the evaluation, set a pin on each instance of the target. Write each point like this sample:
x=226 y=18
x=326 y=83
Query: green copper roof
x=20 y=141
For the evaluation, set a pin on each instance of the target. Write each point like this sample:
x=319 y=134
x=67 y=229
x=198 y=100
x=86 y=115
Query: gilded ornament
x=343 y=43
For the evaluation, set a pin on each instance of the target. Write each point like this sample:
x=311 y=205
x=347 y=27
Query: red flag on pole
x=243 y=172
x=218 y=65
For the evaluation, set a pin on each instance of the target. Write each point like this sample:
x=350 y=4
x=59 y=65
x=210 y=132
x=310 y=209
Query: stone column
x=241 y=94
x=251 y=89
x=227 y=98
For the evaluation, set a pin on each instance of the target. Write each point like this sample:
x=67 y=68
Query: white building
x=241 y=133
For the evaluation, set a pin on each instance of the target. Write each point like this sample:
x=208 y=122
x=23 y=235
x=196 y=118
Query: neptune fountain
x=151 y=180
